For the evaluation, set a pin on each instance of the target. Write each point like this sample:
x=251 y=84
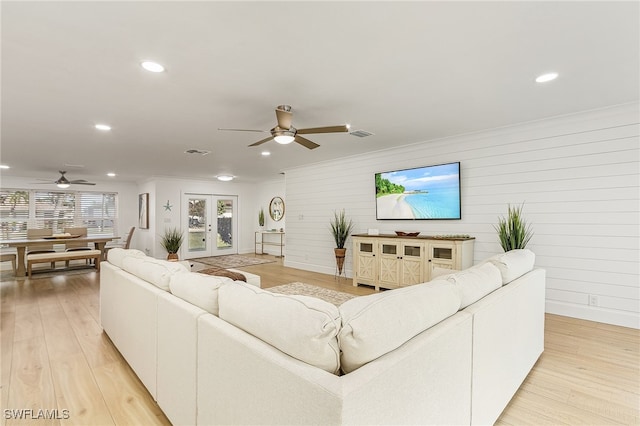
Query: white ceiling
x=406 y=71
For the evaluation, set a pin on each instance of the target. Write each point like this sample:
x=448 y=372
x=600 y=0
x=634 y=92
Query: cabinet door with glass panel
x=412 y=263
x=441 y=259
x=389 y=263
x=366 y=269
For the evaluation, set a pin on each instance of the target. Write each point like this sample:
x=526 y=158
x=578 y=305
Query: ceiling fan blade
x=327 y=129
x=284 y=118
x=306 y=142
x=80 y=182
x=243 y=130
x=270 y=138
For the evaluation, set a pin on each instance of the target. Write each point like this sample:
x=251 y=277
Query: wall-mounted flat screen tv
x=430 y=192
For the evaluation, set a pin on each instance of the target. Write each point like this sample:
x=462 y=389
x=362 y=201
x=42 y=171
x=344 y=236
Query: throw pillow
x=236 y=276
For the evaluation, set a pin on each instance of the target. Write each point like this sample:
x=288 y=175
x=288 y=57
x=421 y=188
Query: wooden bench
x=63 y=256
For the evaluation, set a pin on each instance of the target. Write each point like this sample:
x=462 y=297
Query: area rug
x=301 y=289
x=232 y=261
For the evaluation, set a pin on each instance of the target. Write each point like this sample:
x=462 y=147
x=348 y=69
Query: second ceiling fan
x=285 y=133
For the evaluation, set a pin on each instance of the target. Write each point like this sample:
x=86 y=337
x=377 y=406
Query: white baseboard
x=316 y=268
x=592 y=313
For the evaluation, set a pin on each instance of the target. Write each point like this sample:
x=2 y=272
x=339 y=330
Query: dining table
x=22 y=244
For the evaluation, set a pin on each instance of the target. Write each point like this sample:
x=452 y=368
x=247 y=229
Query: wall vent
x=360 y=133
x=197 y=151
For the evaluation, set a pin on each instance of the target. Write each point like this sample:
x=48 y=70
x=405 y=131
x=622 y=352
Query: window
x=14 y=213
x=97 y=211
x=56 y=210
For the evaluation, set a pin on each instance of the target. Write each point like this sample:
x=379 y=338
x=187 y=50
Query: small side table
x=263 y=243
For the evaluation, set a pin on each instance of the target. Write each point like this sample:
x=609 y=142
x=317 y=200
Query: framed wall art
x=143 y=211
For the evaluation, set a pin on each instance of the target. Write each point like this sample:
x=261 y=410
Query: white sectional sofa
x=212 y=351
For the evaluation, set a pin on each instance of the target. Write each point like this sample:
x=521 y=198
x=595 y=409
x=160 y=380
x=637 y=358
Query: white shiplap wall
x=578 y=176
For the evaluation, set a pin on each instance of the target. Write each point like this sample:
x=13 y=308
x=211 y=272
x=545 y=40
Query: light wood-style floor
x=55 y=356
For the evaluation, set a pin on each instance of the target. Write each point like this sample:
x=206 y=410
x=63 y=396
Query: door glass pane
x=225 y=223
x=197 y=224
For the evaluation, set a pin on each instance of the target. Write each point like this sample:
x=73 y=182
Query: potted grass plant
x=340 y=229
x=171 y=241
x=513 y=231
x=261 y=218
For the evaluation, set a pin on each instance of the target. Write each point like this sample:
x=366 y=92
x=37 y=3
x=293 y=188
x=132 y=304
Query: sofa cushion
x=198 y=289
x=155 y=271
x=116 y=255
x=513 y=264
x=377 y=324
x=474 y=283
x=300 y=326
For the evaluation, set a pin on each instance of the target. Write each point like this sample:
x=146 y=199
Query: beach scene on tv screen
x=431 y=192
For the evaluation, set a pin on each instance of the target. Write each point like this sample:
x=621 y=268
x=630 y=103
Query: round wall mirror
x=276 y=208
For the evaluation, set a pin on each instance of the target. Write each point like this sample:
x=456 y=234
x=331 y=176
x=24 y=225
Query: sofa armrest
x=177 y=352
x=508 y=338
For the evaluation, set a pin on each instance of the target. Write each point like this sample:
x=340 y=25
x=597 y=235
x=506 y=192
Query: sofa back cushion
x=155 y=271
x=377 y=324
x=513 y=264
x=116 y=255
x=474 y=283
x=198 y=289
x=300 y=326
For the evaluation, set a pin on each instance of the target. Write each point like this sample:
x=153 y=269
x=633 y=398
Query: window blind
x=21 y=209
x=14 y=213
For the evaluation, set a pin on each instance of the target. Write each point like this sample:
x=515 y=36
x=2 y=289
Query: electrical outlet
x=593 y=300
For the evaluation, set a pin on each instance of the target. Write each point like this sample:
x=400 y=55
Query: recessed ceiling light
x=546 y=77
x=104 y=127
x=111 y=174
x=3 y=166
x=225 y=178
x=266 y=153
x=152 y=66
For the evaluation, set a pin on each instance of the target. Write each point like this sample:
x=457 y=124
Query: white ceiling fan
x=285 y=133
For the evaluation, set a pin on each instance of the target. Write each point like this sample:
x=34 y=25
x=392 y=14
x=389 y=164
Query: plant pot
x=340 y=254
x=172 y=257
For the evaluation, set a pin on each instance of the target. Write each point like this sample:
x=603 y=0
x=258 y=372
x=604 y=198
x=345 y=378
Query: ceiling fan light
x=63 y=185
x=225 y=178
x=152 y=66
x=104 y=127
x=544 y=78
x=284 y=139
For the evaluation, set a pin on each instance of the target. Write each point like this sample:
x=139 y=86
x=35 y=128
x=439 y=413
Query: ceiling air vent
x=197 y=151
x=360 y=133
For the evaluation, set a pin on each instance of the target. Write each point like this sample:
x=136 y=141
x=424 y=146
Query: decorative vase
x=340 y=254
x=172 y=257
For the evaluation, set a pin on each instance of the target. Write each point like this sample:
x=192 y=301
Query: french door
x=212 y=224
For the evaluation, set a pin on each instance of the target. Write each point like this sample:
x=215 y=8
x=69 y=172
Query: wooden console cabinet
x=389 y=261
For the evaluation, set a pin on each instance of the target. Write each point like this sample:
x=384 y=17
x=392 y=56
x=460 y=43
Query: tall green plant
x=340 y=228
x=171 y=240
x=261 y=217
x=513 y=231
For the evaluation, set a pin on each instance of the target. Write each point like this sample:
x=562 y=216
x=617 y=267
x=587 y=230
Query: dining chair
x=124 y=242
x=81 y=231
x=40 y=248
